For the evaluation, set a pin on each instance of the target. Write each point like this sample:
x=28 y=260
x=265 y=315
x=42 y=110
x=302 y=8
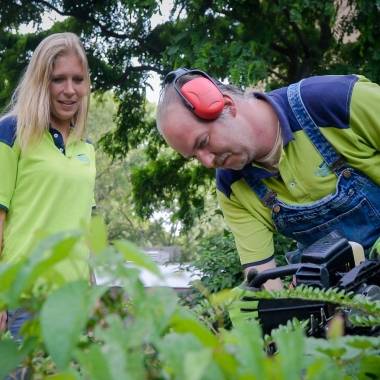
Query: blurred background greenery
x=146 y=192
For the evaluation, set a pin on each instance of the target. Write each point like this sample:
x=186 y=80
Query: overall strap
x=266 y=196
x=334 y=160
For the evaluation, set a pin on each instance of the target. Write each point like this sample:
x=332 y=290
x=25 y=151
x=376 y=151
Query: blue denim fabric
x=354 y=208
x=16 y=318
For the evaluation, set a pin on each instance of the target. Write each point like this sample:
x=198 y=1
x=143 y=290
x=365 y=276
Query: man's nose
x=206 y=158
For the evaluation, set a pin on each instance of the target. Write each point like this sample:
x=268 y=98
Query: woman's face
x=67 y=88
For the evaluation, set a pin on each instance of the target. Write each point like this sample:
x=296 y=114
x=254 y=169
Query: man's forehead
x=177 y=119
x=181 y=129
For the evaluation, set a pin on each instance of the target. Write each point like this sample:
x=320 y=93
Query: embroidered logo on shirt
x=83 y=158
x=323 y=170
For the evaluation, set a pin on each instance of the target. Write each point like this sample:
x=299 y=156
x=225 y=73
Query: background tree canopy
x=245 y=42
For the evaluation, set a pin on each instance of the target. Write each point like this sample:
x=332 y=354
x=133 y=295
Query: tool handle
x=260 y=278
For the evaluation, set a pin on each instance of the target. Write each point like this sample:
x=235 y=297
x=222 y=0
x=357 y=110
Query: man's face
x=227 y=142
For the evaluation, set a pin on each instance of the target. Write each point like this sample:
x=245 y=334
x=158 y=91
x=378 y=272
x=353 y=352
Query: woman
x=47 y=169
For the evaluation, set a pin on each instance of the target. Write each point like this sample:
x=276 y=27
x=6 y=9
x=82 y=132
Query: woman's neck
x=62 y=126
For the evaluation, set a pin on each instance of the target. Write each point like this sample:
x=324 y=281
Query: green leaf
x=124 y=357
x=196 y=364
x=136 y=256
x=50 y=251
x=173 y=349
x=248 y=347
x=363 y=342
x=10 y=357
x=323 y=369
x=153 y=312
x=186 y=324
x=97 y=235
x=94 y=363
x=290 y=359
x=172 y=50
x=8 y=275
x=63 y=318
x=67 y=375
x=370 y=367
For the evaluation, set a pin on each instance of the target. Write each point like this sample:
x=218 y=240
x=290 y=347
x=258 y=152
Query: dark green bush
x=130 y=332
x=218 y=260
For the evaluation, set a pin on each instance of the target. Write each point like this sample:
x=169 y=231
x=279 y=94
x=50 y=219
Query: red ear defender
x=204 y=97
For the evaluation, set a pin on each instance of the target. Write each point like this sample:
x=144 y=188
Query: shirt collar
x=287 y=134
x=57 y=139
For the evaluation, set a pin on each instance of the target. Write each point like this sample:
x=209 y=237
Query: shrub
x=218 y=260
x=129 y=332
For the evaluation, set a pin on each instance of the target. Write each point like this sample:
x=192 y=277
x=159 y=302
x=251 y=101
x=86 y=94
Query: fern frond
x=346 y=300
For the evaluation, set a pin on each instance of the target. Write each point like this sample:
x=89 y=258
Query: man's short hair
x=168 y=95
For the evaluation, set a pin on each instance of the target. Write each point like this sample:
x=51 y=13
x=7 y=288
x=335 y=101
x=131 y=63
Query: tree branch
x=275 y=73
x=298 y=33
x=141 y=68
x=103 y=28
x=281 y=50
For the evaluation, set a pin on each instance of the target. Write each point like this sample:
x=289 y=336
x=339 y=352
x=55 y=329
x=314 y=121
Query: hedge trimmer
x=329 y=263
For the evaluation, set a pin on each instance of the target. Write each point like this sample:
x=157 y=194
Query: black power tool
x=328 y=263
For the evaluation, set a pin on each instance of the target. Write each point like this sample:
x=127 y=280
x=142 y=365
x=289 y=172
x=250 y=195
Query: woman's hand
x=3 y=320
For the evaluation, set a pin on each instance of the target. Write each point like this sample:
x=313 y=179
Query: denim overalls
x=353 y=210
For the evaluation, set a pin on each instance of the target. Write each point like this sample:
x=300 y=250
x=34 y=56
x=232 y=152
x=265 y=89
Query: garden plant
x=122 y=330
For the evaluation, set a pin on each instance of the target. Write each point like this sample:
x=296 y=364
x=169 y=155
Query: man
x=302 y=160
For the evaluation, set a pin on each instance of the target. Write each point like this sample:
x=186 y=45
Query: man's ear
x=229 y=102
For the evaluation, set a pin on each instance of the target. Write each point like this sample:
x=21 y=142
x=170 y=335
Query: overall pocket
x=361 y=224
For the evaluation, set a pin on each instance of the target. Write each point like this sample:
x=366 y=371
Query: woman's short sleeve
x=9 y=154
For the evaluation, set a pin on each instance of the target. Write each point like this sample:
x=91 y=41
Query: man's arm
x=364 y=114
x=3 y=314
x=253 y=237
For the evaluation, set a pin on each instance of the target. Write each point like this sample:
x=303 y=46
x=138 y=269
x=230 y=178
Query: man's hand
x=270 y=285
x=3 y=320
x=243 y=309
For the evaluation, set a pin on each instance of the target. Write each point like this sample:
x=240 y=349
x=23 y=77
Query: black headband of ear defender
x=200 y=95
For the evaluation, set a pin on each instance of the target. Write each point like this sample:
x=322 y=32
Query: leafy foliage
x=218 y=260
x=113 y=192
x=368 y=312
x=129 y=332
x=245 y=42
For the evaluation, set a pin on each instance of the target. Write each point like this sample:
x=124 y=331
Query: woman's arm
x=3 y=314
x=3 y=214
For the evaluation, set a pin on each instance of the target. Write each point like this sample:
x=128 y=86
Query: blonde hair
x=30 y=102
